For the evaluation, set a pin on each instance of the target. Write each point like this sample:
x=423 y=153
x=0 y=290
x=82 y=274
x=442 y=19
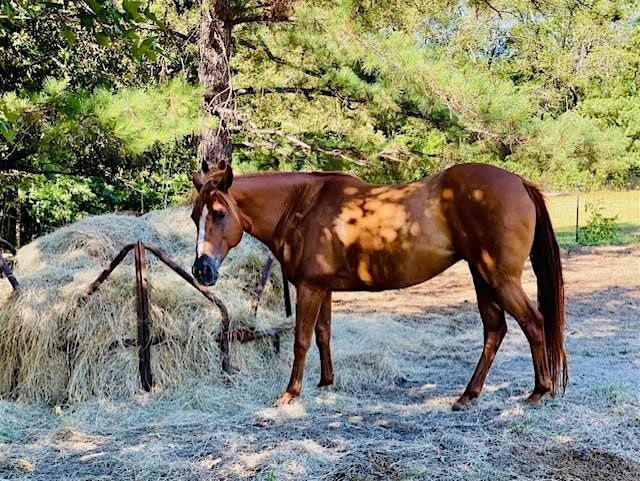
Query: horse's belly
x=376 y=271
x=381 y=241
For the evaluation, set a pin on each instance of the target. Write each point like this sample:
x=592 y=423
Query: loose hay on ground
x=401 y=359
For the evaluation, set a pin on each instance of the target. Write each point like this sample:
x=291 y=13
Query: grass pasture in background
x=624 y=204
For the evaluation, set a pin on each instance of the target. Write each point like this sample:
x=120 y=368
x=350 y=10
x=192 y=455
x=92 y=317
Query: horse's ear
x=205 y=167
x=198 y=180
x=227 y=176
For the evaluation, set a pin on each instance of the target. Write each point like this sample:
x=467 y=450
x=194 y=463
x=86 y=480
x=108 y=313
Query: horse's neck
x=268 y=201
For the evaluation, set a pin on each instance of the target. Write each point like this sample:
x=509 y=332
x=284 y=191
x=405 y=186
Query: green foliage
x=141 y=117
x=59 y=200
x=86 y=152
x=392 y=91
x=519 y=92
x=599 y=228
x=107 y=21
x=573 y=146
x=128 y=122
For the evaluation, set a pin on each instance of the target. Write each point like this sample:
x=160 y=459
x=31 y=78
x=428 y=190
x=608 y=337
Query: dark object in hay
x=264 y=277
x=144 y=340
x=5 y=267
x=7 y=246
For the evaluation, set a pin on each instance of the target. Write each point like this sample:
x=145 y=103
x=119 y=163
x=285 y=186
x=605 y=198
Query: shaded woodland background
x=101 y=102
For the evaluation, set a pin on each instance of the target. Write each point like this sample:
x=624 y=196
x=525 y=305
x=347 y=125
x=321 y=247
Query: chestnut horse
x=334 y=232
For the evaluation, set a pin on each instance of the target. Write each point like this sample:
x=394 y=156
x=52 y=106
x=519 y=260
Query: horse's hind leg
x=323 y=340
x=495 y=328
x=516 y=302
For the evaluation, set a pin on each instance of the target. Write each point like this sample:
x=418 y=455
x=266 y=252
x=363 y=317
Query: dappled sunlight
x=441 y=403
x=327 y=399
x=564 y=439
x=372 y=224
x=488 y=387
x=477 y=195
x=390 y=236
x=512 y=413
x=138 y=448
x=425 y=388
x=279 y=454
x=209 y=462
x=74 y=441
x=295 y=410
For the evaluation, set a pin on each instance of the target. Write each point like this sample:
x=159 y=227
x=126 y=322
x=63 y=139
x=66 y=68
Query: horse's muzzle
x=205 y=270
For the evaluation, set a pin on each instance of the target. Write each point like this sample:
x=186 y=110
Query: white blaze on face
x=201 y=230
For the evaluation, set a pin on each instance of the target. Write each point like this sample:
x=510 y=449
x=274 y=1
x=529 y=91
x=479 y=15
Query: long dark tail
x=545 y=259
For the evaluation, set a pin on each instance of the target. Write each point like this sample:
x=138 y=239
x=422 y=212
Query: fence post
x=144 y=335
x=577 y=209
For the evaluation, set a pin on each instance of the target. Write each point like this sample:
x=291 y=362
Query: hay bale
x=51 y=350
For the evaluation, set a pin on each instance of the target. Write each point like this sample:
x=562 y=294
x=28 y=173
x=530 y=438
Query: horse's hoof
x=285 y=399
x=322 y=384
x=535 y=399
x=464 y=402
x=461 y=405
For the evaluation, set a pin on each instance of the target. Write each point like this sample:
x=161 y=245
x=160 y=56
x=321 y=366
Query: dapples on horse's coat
x=334 y=232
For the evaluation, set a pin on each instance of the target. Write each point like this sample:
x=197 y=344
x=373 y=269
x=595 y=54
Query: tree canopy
x=100 y=102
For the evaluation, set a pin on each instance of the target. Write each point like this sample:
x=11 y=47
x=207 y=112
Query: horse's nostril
x=207 y=272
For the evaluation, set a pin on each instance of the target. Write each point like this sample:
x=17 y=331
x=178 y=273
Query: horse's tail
x=545 y=259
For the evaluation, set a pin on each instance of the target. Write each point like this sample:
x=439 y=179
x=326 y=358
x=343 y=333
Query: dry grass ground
x=401 y=358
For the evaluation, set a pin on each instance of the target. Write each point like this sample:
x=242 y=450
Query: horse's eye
x=218 y=214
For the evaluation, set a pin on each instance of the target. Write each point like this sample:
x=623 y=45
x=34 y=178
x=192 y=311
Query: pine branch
x=276 y=59
x=262 y=18
x=25 y=170
x=488 y=4
x=190 y=37
x=306 y=91
x=295 y=142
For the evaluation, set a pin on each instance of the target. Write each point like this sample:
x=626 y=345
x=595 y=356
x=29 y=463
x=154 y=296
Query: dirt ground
x=401 y=359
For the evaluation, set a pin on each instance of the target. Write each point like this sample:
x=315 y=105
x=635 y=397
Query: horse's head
x=216 y=216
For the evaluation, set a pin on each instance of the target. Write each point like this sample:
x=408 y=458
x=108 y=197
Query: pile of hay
x=53 y=351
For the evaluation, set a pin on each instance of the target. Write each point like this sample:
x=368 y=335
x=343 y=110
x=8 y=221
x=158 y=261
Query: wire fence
x=572 y=212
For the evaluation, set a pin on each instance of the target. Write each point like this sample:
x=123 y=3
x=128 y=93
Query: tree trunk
x=213 y=72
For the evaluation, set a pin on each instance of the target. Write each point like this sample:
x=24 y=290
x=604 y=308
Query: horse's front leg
x=308 y=302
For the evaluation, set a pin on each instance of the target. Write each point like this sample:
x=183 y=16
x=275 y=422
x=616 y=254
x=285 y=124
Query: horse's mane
x=302 y=174
x=299 y=203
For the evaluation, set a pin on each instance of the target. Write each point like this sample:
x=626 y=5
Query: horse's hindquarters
x=491 y=218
